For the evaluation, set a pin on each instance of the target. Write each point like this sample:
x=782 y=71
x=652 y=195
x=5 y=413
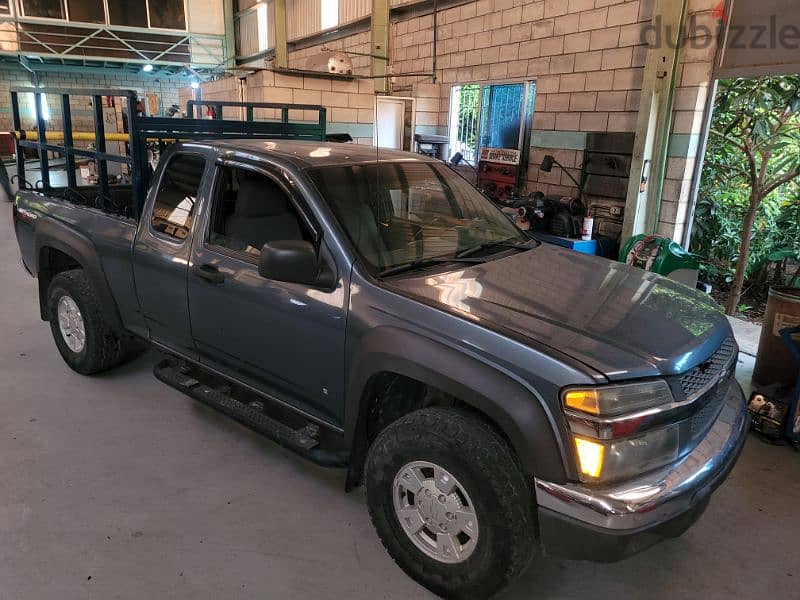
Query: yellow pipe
x=83 y=136
x=77 y=136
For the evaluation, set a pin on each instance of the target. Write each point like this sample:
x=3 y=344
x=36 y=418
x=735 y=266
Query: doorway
x=394 y=122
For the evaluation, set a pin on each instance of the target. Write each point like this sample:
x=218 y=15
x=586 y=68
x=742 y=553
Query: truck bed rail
x=140 y=130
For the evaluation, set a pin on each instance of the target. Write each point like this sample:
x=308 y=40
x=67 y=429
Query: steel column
x=229 y=43
x=281 y=52
x=643 y=206
x=380 y=45
x=41 y=127
x=100 y=145
x=66 y=115
x=17 y=122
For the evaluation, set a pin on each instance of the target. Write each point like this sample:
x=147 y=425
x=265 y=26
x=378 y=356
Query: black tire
x=103 y=349
x=480 y=459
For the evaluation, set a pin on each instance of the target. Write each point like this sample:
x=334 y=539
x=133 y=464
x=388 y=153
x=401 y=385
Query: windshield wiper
x=487 y=245
x=426 y=262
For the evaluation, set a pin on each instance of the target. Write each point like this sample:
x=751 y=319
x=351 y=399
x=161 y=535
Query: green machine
x=663 y=256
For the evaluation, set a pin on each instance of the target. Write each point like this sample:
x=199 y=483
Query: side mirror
x=294 y=261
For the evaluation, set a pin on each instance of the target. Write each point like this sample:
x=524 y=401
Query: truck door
x=162 y=247
x=284 y=339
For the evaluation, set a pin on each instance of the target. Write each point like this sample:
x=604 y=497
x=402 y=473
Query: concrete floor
x=119 y=487
x=748 y=335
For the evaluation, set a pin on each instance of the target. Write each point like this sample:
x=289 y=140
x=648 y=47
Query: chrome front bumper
x=658 y=497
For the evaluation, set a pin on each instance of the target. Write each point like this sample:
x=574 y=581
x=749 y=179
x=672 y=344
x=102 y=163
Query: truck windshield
x=396 y=213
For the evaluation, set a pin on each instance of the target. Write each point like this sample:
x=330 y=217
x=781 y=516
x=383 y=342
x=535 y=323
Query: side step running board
x=301 y=441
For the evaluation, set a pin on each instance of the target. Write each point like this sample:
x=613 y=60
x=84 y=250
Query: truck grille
x=703 y=418
x=707 y=373
x=708 y=384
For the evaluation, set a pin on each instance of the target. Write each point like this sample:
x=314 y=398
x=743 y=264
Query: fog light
x=590 y=456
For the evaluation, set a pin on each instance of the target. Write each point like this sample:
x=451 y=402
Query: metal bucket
x=774 y=363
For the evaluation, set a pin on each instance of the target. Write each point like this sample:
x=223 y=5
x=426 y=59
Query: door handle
x=209 y=272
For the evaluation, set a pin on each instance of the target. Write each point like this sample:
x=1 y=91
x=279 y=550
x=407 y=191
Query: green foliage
x=752 y=153
x=718 y=230
x=757 y=109
x=468 y=114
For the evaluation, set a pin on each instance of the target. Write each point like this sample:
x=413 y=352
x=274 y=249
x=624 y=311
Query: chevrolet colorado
x=496 y=396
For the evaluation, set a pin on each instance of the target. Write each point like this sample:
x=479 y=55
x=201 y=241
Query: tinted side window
x=250 y=210
x=173 y=211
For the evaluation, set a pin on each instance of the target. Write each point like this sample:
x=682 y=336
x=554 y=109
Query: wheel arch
x=58 y=249
x=514 y=408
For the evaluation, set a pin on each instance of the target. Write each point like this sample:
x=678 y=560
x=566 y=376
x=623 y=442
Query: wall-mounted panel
x=352 y=10
x=762 y=38
x=303 y=18
x=205 y=17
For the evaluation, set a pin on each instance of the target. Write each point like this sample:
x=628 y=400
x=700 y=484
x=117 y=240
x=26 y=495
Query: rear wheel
x=450 y=503
x=85 y=340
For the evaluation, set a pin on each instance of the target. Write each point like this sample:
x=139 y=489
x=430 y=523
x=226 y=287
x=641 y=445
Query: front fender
x=513 y=405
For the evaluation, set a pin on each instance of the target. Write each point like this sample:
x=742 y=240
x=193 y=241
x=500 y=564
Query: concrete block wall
x=358 y=43
x=586 y=58
x=166 y=88
x=432 y=106
x=350 y=103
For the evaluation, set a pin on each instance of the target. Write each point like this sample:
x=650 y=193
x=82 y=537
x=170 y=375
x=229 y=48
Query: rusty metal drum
x=774 y=362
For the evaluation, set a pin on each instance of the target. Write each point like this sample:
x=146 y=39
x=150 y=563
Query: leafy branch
x=754 y=153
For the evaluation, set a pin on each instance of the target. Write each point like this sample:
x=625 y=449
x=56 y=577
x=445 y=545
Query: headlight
x=621 y=459
x=615 y=400
x=606 y=423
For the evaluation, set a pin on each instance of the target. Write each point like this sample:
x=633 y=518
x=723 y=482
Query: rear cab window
x=176 y=199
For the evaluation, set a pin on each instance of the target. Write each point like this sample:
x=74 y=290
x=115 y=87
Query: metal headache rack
x=249 y=109
x=141 y=131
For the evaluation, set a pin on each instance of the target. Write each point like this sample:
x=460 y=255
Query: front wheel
x=450 y=503
x=83 y=337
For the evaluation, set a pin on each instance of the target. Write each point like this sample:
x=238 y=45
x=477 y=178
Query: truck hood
x=621 y=321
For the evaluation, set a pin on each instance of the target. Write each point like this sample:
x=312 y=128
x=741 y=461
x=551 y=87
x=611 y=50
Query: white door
x=389 y=123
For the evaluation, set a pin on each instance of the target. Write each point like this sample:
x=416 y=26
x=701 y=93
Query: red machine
x=499 y=172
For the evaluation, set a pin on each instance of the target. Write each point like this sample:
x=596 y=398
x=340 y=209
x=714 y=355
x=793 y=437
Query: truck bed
x=117 y=202
x=41 y=217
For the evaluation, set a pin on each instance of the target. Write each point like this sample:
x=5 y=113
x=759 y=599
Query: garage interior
x=118 y=486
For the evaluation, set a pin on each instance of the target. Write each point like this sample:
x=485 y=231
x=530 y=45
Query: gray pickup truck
x=496 y=396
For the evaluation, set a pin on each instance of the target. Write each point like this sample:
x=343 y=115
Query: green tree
x=754 y=141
